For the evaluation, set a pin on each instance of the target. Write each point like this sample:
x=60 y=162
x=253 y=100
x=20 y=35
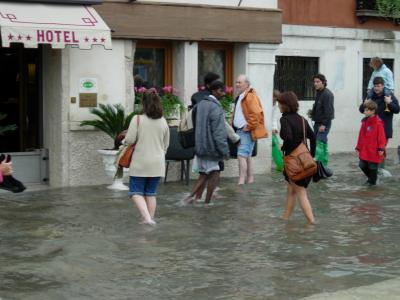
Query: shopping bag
x=321 y=153
x=277 y=155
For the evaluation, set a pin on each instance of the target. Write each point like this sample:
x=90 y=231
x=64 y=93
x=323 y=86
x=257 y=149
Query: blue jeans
x=143 y=186
x=322 y=136
x=245 y=148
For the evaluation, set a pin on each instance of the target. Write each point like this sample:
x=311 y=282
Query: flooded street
x=86 y=243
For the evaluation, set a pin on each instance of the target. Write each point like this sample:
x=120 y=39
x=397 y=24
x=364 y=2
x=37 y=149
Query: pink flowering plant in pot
x=171 y=104
x=227 y=102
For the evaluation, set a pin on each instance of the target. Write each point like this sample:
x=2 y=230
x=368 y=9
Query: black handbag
x=322 y=172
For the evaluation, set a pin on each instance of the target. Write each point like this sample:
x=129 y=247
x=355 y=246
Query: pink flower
x=141 y=89
x=152 y=90
x=229 y=90
x=168 y=89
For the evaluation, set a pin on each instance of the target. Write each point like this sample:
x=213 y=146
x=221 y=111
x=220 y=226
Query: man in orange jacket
x=248 y=120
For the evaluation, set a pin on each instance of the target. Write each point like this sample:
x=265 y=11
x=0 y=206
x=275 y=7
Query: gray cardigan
x=210 y=131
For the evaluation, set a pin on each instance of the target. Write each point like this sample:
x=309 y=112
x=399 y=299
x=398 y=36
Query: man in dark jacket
x=322 y=113
x=211 y=139
x=200 y=95
x=387 y=106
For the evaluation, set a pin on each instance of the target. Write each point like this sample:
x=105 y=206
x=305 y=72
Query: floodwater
x=87 y=243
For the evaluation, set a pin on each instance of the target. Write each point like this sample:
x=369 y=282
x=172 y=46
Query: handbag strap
x=304 y=131
x=137 y=129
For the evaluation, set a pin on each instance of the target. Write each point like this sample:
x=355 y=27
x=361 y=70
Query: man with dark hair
x=387 y=106
x=211 y=140
x=200 y=95
x=322 y=113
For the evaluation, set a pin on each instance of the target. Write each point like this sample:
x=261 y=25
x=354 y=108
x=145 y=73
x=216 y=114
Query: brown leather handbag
x=299 y=164
x=125 y=156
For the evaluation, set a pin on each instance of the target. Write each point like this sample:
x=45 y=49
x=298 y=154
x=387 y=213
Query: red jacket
x=371 y=139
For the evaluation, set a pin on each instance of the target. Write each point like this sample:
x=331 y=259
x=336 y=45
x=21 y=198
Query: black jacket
x=323 y=109
x=292 y=133
x=386 y=117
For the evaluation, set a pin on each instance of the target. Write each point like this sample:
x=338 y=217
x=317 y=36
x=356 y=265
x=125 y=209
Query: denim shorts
x=143 y=186
x=245 y=148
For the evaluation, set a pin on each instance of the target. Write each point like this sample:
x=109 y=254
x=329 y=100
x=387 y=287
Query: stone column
x=260 y=70
x=185 y=68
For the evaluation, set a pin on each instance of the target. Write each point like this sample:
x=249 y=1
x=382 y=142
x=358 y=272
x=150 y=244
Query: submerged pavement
x=87 y=243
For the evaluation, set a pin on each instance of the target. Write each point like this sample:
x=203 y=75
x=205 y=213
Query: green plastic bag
x=321 y=153
x=277 y=155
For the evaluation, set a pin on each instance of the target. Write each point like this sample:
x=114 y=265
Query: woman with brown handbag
x=150 y=134
x=294 y=131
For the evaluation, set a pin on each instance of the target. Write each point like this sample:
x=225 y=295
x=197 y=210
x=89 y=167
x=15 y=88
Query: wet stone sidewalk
x=86 y=242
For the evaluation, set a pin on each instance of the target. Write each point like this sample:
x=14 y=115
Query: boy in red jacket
x=371 y=142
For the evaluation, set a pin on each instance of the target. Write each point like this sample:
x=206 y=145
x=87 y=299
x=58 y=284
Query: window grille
x=295 y=73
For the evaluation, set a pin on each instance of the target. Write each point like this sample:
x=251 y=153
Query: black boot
x=373 y=176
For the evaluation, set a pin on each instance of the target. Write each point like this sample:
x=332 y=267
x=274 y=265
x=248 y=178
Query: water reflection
x=86 y=243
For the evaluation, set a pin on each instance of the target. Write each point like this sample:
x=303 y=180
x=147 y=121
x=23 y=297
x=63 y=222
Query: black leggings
x=370 y=169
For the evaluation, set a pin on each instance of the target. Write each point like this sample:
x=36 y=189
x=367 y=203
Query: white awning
x=54 y=24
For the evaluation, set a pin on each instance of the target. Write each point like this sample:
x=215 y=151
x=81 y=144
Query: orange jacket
x=254 y=115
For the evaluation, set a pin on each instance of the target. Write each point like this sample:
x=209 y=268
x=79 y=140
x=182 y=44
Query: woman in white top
x=276 y=113
x=151 y=135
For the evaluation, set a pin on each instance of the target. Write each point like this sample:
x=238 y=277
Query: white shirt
x=239 y=120
x=276 y=115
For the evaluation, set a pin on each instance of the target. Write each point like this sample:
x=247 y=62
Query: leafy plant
x=227 y=102
x=388 y=8
x=169 y=101
x=112 y=120
x=6 y=128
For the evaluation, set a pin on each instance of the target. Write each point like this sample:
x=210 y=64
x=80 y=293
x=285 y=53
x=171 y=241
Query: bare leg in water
x=141 y=205
x=290 y=202
x=198 y=188
x=242 y=169
x=305 y=205
x=151 y=205
x=250 y=177
x=213 y=179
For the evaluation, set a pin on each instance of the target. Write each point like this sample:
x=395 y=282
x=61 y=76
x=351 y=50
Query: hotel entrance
x=20 y=99
x=21 y=110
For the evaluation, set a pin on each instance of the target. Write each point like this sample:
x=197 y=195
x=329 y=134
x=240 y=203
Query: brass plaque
x=88 y=100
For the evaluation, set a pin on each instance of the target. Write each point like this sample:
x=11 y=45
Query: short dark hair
x=152 y=105
x=289 y=102
x=216 y=85
x=210 y=77
x=371 y=105
x=378 y=80
x=322 y=78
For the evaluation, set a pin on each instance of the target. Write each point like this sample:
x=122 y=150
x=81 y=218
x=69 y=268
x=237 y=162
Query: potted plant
x=388 y=8
x=227 y=102
x=112 y=120
x=139 y=92
x=172 y=105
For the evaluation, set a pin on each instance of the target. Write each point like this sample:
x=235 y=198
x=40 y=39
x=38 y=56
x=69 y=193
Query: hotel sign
x=58 y=25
